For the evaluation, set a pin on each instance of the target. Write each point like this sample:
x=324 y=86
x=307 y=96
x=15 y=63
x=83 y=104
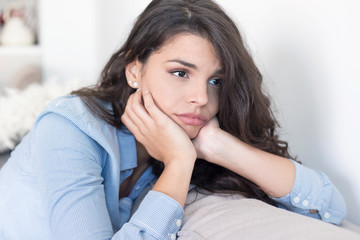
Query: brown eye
x=179 y=73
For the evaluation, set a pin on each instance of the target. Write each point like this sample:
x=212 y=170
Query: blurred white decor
x=20 y=52
x=19 y=108
x=17 y=30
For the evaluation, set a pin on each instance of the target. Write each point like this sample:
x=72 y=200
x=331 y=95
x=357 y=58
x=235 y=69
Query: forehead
x=190 y=47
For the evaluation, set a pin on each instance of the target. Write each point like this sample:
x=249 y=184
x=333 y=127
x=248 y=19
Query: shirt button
x=327 y=215
x=172 y=236
x=305 y=203
x=296 y=199
x=178 y=222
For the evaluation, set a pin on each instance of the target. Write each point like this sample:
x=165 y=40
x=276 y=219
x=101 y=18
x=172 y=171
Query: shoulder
x=67 y=115
x=69 y=106
x=72 y=110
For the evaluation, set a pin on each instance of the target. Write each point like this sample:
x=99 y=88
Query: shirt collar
x=127 y=146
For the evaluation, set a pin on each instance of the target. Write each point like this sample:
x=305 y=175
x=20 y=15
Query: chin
x=192 y=133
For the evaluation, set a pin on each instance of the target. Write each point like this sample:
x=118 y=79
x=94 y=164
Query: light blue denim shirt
x=62 y=182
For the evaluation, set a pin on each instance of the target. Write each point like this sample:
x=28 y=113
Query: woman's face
x=184 y=78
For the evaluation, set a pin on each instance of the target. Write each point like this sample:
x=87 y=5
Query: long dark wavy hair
x=244 y=110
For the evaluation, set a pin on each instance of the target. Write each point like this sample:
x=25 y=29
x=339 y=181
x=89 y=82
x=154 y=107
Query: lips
x=192 y=119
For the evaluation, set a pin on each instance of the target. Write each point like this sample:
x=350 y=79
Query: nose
x=198 y=93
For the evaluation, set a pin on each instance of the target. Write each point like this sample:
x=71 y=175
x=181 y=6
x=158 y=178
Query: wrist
x=183 y=157
x=181 y=165
x=215 y=146
x=225 y=150
x=174 y=181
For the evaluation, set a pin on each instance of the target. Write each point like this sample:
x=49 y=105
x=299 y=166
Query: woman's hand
x=165 y=141
x=204 y=142
x=161 y=136
x=272 y=173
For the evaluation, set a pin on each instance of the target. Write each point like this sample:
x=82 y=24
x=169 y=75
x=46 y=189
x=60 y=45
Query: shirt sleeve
x=142 y=225
x=314 y=195
x=69 y=166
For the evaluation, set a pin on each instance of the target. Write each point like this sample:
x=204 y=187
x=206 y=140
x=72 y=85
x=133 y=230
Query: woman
x=179 y=103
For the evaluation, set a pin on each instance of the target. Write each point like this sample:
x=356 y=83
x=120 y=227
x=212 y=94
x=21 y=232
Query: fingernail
x=146 y=92
x=138 y=89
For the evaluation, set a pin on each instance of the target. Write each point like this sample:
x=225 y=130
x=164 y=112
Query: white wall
x=78 y=37
x=68 y=39
x=115 y=22
x=307 y=50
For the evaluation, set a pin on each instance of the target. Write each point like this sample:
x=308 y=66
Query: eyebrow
x=191 y=65
x=187 y=64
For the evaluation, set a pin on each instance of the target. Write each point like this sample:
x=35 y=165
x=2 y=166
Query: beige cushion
x=235 y=217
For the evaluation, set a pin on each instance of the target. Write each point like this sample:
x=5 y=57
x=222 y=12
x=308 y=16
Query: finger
x=137 y=113
x=138 y=108
x=130 y=111
x=132 y=127
x=151 y=107
x=129 y=123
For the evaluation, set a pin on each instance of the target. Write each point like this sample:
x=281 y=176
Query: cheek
x=157 y=84
x=165 y=96
x=213 y=103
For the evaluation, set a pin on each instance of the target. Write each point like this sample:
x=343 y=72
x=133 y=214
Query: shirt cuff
x=159 y=215
x=313 y=190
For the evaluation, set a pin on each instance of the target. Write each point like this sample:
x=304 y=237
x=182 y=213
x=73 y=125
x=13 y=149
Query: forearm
x=273 y=174
x=175 y=180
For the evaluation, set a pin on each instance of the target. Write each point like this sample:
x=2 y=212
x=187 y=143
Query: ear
x=133 y=74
